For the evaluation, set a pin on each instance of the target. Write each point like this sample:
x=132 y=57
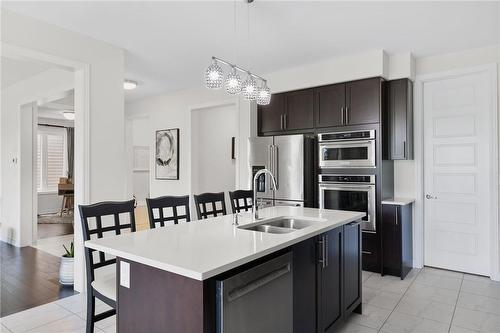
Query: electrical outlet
x=124 y=274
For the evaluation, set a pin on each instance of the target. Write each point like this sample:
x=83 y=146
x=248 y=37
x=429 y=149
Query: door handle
x=284 y=121
x=347 y=115
x=428 y=196
x=342 y=115
x=281 y=121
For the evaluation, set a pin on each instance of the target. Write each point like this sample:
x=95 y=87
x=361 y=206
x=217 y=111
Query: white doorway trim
x=418 y=226
x=82 y=137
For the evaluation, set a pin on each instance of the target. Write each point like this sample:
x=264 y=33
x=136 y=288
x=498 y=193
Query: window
x=51 y=157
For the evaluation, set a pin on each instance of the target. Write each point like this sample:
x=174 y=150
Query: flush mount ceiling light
x=214 y=76
x=68 y=114
x=129 y=85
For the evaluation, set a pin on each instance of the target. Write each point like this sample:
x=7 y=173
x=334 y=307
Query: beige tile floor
x=427 y=301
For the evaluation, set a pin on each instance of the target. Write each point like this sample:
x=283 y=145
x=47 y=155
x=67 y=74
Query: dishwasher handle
x=259 y=282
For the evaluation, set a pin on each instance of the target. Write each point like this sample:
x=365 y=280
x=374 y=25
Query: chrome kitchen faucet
x=255 y=207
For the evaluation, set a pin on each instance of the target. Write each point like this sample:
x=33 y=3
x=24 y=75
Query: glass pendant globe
x=264 y=95
x=250 y=89
x=214 y=76
x=233 y=83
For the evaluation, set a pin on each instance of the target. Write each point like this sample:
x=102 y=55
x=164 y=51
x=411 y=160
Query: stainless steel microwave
x=347 y=149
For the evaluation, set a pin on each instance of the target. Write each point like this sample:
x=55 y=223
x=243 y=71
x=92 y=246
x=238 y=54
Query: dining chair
x=241 y=200
x=167 y=209
x=210 y=205
x=100 y=220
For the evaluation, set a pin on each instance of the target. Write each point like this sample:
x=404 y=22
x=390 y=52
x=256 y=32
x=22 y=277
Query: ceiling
x=54 y=106
x=168 y=44
x=15 y=70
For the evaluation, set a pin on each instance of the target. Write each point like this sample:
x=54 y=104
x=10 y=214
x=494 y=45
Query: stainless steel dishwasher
x=257 y=300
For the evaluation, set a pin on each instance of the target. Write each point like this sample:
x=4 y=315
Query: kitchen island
x=295 y=270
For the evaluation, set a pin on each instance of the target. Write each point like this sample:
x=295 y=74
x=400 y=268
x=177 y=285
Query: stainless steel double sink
x=279 y=225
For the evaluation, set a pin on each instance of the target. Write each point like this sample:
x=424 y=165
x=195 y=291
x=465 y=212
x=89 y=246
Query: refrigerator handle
x=271 y=161
x=276 y=166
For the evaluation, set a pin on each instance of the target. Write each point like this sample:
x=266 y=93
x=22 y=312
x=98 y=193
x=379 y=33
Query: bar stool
x=210 y=205
x=241 y=200
x=101 y=271
x=174 y=204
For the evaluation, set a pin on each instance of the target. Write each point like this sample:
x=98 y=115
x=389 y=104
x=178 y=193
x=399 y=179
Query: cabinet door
x=304 y=286
x=397 y=103
x=299 y=110
x=330 y=284
x=363 y=101
x=352 y=266
x=329 y=105
x=391 y=240
x=270 y=117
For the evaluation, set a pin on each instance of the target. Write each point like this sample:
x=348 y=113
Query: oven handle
x=351 y=143
x=343 y=188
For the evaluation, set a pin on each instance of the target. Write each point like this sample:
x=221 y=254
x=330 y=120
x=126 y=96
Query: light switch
x=124 y=274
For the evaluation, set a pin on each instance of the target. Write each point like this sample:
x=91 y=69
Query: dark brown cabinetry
x=399 y=120
x=397 y=244
x=270 y=117
x=299 y=110
x=327 y=279
x=289 y=111
x=352 y=266
x=330 y=105
x=342 y=104
x=330 y=279
x=363 y=101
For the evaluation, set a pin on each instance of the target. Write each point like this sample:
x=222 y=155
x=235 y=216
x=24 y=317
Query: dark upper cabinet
x=330 y=280
x=363 y=101
x=399 y=120
x=352 y=265
x=270 y=117
x=329 y=105
x=299 y=110
x=352 y=103
x=397 y=244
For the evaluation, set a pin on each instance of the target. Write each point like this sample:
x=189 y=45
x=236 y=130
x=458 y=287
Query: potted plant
x=66 y=275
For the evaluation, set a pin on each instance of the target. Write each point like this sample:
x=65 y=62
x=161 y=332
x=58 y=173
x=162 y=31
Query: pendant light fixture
x=251 y=91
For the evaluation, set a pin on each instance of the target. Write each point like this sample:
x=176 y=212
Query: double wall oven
x=341 y=186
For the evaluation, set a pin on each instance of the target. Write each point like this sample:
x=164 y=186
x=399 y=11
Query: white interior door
x=457 y=168
x=212 y=167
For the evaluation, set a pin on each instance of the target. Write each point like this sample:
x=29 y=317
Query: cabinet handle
x=397 y=216
x=326 y=251
x=285 y=121
x=322 y=248
x=347 y=115
x=342 y=115
x=404 y=149
x=366 y=252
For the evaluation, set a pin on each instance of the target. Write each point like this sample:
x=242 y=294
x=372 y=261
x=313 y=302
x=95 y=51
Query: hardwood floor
x=54 y=230
x=28 y=278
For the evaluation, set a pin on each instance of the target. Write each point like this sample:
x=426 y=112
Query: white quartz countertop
x=398 y=201
x=203 y=249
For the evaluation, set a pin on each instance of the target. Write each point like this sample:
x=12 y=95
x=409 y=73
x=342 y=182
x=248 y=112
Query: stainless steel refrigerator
x=290 y=159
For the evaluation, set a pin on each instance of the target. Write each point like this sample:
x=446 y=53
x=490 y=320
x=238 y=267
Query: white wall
x=174 y=111
x=106 y=150
x=16 y=177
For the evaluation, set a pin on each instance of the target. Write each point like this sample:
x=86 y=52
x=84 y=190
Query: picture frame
x=167 y=154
